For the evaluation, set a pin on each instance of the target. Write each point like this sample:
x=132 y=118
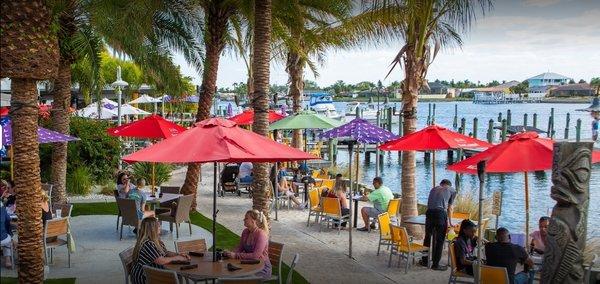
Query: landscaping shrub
x=96 y=150
x=79 y=181
x=467 y=202
x=162 y=172
x=109 y=188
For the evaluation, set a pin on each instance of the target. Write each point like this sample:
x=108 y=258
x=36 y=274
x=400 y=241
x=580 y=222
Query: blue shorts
x=246 y=179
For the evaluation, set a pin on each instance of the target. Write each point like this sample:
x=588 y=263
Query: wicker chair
x=275 y=253
x=127 y=207
x=182 y=214
x=160 y=276
x=126 y=257
x=191 y=245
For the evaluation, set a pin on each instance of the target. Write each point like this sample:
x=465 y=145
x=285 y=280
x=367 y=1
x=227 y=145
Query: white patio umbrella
x=145 y=99
x=91 y=111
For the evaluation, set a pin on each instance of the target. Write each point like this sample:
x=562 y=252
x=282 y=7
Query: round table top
x=215 y=270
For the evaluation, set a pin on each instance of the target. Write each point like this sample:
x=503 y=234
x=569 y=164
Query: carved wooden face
x=570 y=176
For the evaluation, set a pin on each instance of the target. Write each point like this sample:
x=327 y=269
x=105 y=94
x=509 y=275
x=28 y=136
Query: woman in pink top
x=254 y=243
x=538 y=238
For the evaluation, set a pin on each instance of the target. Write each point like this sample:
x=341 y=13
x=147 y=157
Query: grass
x=12 y=280
x=226 y=238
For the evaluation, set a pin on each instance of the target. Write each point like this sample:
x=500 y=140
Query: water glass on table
x=58 y=213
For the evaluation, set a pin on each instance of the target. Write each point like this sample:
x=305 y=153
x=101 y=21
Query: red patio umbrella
x=152 y=127
x=522 y=152
x=217 y=140
x=432 y=138
x=247 y=117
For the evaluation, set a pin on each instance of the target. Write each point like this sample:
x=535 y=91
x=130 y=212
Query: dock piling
x=504 y=126
x=578 y=130
x=535 y=120
x=567 y=125
x=455 y=120
x=525 y=120
x=508 y=118
x=490 y=131
x=475 y=127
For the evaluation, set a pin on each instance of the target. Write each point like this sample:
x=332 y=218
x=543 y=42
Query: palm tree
x=427 y=26
x=29 y=53
x=217 y=16
x=261 y=187
x=77 y=41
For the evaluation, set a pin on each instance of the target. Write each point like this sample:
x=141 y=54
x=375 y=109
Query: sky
x=516 y=40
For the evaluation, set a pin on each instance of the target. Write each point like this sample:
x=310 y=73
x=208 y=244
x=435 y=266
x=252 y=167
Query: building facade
x=548 y=79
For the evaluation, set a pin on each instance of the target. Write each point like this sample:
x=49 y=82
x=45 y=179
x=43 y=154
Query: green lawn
x=11 y=280
x=226 y=239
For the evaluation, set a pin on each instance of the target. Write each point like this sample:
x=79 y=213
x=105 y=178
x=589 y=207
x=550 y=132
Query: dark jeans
x=436 y=223
x=345 y=211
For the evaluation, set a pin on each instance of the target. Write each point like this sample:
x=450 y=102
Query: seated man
x=505 y=254
x=538 y=238
x=380 y=197
x=246 y=172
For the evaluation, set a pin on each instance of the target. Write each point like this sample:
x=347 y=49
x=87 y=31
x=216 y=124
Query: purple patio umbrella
x=44 y=136
x=361 y=131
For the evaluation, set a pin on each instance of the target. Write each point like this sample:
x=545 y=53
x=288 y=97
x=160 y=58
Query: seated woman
x=464 y=247
x=5 y=237
x=46 y=212
x=254 y=243
x=124 y=184
x=150 y=250
x=8 y=193
x=538 y=238
x=340 y=193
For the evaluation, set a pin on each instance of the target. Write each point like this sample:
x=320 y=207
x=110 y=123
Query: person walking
x=437 y=221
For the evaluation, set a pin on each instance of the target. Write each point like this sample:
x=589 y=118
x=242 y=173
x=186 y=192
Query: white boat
x=322 y=103
x=368 y=111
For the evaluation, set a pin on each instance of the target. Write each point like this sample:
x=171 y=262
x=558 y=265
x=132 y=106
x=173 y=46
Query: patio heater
x=118 y=85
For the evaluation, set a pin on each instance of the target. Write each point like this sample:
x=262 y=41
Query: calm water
x=512 y=185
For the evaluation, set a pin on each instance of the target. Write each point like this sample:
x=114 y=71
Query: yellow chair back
x=496 y=275
x=314 y=174
x=331 y=206
x=393 y=207
x=329 y=183
x=452 y=257
x=384 y=225
x=399 y=235
x=313 y=198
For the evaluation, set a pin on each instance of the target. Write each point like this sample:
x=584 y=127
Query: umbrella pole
x=433 y=168
x=526 y=208
x=350 y=144
x=481 y=175
x=153 y=177
x=277 y=191
x=214 y=227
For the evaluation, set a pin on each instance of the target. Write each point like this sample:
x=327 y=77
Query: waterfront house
x=548 y=79
x=572 y=90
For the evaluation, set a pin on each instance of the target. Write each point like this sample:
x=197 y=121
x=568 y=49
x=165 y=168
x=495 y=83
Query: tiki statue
x=571 y=169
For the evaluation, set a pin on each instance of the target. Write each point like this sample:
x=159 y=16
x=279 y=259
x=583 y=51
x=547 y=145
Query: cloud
x=540 y=3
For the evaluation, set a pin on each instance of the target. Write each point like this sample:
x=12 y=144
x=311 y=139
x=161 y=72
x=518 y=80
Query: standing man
x=438 y=219
x=380 y=197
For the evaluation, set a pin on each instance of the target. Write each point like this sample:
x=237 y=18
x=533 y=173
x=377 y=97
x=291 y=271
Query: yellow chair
x=403 y=245
x=332 y=213
x=455 y=275
x=493 y=275
x=314 y=208
x=316 y=151
x=328 y=183
x=385 y=235
x=393 y=208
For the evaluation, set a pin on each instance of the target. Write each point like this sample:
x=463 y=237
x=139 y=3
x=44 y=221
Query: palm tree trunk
x=27 y=179
x=214 y=39
x=410 y=91
x=295 y=68
x=60 y=123
x=261 y=186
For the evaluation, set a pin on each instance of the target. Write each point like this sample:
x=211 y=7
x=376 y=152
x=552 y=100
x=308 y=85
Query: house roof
x=549 y=75
x=499 y=88
x=573 y=87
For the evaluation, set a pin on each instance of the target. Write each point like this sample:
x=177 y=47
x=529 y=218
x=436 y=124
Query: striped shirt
x=148 y=254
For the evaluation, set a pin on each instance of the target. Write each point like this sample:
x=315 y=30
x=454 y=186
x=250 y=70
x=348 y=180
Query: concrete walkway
x=323 y=255
x=96 y=259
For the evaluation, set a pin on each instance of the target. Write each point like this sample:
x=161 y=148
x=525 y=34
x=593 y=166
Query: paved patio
x=96 y=259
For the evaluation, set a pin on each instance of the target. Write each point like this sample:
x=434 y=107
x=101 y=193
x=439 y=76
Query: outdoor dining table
x=156 y=200
x=208 y=269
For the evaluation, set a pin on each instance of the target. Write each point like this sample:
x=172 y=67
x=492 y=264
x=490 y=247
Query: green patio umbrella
x=305 y=120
